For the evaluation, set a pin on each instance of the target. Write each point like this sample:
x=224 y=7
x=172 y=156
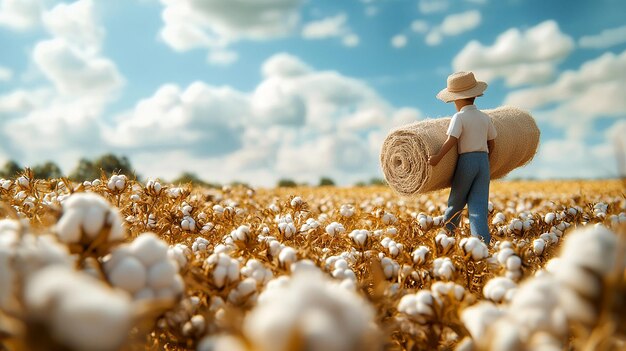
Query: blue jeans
x=470 y=186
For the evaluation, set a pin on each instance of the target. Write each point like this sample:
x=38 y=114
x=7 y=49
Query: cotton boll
x=359 y=236
x=128 y=274
x=449 y=289
x=346 y=211
x=479 y=318
x=443 y=268
x=592 y=247
x=179 y=253
x=161 y=274
x=222 y=342
x=240 y=234
x=334 y=229
x=444 y=242
x=513 y=263
x=504 y=254
x=497 y=288
x=477 y=248
x=88 y=213
x=498 y=218
x=418 y=305
x=325 y=315
x=68 y=227
x=200 y=245
x=538 y=246
x=287 y=256
x=77 y=309
x=419 y=255
x=146 y=293
x=149 y=249
x=94 y=220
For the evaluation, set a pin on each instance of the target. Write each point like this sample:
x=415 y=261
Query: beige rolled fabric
x=405 y=151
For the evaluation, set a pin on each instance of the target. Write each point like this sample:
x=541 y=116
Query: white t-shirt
x=473 y=128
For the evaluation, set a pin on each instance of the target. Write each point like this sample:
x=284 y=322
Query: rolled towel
x=405 y=151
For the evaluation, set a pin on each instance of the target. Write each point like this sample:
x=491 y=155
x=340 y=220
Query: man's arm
x=490 y=144
x=450 y=142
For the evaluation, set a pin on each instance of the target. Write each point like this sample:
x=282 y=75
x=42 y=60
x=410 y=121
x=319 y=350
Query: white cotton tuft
x=81 y=312
x=148 y=248
x=325 y=315
x=477 y=248
x=128 y=274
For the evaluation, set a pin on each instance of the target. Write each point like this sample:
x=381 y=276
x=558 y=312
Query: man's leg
x=478 y=199
x=461 y=184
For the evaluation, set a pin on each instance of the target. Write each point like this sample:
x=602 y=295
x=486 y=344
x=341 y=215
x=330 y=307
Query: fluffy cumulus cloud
x=331 y=27
x=519 y=57
x=74 y=71
x=605 y=39
x=76 y=23
x=399 y=41
x=454 y=24
x=432 y=6
x=594 y=90
x=297 y=122
x=20 y=15
x=573 y=103
x=5 y=74
x=202 y=119
x=214 y=24
x=61 y=118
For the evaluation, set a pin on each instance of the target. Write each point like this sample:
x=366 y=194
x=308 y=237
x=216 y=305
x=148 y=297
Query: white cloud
x=454 y=24
x=61 y=129
x=20 y=15
x=570 y=158
x=432 y=6
x=284 y=65
x=398 y=41
x=371 y=11
x=223 y=57
x=75 y=23
x=76 y=72
x=190 y=24
x=5 y=74
x=518 y=57
x=419 y=26
x=298 y=123
x=351 y=40
x=572 y=103
x=458 y=23
x=595 y=89
x=325 y=28
x=331 y=27
x=607 y=38
x=201 y=119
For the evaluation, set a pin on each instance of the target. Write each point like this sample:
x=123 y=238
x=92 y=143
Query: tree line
x=112 y=164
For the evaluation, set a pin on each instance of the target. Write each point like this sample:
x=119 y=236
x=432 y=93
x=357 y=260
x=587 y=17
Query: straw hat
x=461 y=85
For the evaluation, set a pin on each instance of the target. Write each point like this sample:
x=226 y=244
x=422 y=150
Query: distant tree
x=360 y=184
x=85 y=170
x=325 y=181
x=189 y=177
x=109 y=163
x=47 y=170
x=10 y=169
x=377 y=181
x=287 y=183
x=237 y=183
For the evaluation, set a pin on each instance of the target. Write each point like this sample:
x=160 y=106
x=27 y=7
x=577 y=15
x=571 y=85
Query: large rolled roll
x=404 y=154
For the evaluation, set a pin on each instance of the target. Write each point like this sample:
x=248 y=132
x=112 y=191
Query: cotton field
x=116 y=264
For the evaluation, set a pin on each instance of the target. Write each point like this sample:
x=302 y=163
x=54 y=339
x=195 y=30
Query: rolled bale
x=405 y=151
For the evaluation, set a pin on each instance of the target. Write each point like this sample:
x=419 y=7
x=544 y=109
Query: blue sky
x=257 y=91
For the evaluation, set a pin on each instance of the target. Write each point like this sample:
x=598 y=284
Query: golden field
x=326 y=268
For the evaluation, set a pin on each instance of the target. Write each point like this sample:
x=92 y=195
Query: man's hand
x=434 y=160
